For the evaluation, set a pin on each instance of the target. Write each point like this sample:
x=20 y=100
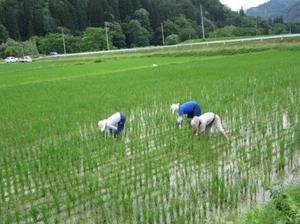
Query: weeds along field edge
x=56 y=166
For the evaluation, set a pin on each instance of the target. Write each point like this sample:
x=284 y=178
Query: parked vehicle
x=25 y=59
x=54 y=54
x=10 y=59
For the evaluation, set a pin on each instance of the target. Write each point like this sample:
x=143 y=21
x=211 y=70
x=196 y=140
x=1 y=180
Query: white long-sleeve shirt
x=209 y=117
x=205 y=120
x=112 y=121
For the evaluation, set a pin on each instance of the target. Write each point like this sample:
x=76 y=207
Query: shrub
x=172 y=39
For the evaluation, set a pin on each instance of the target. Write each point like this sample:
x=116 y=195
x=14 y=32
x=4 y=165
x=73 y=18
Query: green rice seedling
x=54 y=159
x=34 y=214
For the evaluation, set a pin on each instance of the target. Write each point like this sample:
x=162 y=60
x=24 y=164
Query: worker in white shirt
x=189 y=108
x=113 y=125
x=202 y=124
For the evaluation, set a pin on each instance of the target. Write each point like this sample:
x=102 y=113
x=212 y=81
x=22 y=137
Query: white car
x=10 y=60
x=53 y=54
x=25 y=59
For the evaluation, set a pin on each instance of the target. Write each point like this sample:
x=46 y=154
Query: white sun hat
x=102 y=125
x=195 y=122
x=174 y=107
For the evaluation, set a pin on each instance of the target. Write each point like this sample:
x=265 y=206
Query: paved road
x=182 y=45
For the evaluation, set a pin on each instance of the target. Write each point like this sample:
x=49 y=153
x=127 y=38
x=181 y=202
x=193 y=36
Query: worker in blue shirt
x=189 y=108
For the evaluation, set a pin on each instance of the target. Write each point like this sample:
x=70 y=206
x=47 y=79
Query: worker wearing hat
x=189 y=108
x=113 y=125
x=202 y=124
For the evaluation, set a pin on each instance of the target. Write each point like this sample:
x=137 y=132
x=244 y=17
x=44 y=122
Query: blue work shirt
x=190 y=108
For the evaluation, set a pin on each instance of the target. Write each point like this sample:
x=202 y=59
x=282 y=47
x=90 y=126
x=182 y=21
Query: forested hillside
x=36 y=27
x=289 y=10
x=26 y=18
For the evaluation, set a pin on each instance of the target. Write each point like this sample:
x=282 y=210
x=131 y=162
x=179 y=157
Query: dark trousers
x=121 y=125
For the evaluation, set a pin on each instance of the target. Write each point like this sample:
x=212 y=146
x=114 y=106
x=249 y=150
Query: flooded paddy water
x=164 y=174
x=227 y=177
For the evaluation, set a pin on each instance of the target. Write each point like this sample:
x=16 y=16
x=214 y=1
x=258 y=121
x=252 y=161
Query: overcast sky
x=236 y=5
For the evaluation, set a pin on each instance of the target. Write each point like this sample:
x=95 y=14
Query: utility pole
x=256 y=27
x=162 y=33
x=106 y=33
x=63 y=38
x=202 y=23
x=23 y=50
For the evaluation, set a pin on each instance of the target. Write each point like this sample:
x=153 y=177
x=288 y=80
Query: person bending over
x=189 y=108
x=202 y=124
x=113 y=125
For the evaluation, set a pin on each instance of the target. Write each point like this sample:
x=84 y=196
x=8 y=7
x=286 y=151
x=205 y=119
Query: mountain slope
x=288 y=9
x=293 y=13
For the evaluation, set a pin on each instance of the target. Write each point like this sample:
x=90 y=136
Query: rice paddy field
x=56 y=166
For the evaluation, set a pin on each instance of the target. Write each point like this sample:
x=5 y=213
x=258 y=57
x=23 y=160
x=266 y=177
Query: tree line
x=39 y=26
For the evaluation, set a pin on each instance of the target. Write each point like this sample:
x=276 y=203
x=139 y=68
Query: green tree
x=3 y=34
x=95 y=13
x=279 y=28
x=61 y=11
x=142 y=15
x=74 y=44
x=278 y=19
x=244 y=31
x=170 y=27
x=94 y=38
x=262 y=25
x=118 y=37
x=189 y=9
x=30 y=18
x=30 y=48
x=241 y=12
x=295 y=28
x=2 y=50
x=185 y=28
x=226 y=31
x=51 y=42
x=49 y=24
x=172 y=39
x=136 y=35
x=12 y=48
x=9 y=17
x=127 y=9
x=54 y=42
